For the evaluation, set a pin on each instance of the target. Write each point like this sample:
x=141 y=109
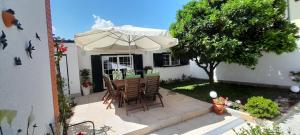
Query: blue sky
x=74 y=16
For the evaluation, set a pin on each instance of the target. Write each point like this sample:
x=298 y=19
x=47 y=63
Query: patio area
x=178 y=108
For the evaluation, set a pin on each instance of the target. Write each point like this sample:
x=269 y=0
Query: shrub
x=262 y=108
x=261 y=130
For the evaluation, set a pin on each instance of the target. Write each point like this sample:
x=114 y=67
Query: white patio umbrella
x=126 y=36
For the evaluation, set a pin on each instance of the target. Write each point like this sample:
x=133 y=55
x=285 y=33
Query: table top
x=121 y=83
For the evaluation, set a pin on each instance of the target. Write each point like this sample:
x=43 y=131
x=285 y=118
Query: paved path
x=291 y=121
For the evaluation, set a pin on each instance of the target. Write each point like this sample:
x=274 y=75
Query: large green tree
x=232 y=31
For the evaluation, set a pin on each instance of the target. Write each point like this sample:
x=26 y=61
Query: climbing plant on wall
x=63 y=100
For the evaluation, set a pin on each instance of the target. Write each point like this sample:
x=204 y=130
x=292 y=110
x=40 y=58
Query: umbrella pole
x=130 y=59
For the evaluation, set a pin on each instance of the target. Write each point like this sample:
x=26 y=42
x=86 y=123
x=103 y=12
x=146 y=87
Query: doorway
x=116 y=62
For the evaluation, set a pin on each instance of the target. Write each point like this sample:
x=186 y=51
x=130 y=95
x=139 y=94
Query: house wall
x=84 y=60
x=73 y=69
x=28 y=85
x=294 y=9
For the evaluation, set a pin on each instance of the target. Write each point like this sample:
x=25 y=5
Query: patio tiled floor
x=114 y=121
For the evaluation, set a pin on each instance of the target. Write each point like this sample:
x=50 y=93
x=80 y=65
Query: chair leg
x=121 y=100
x=109 y=105
x=160 y=100
x=108 y=97
x=104 y=95
x=144 y=105
x=126 y=107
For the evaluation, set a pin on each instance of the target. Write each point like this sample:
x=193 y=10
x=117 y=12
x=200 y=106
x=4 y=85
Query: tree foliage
x=232 y=31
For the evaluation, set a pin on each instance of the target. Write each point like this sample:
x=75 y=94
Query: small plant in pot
x=85 y=81
x=218 y=103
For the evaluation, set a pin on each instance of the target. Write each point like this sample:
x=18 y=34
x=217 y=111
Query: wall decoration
x=18 y=24
x=18 y=61
x=3 y=40
x=37 y=36
x=29 y=49
x=9 y=19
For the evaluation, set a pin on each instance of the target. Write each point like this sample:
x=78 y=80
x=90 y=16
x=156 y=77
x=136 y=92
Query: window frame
x=170 y=60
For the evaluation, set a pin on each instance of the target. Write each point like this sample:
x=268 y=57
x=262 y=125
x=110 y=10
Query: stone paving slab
x=114 y=121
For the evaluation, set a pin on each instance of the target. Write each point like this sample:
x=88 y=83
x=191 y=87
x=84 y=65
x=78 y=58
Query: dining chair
x=112 y=94
x=152 y=90
x=132 y=93
x=117 y=75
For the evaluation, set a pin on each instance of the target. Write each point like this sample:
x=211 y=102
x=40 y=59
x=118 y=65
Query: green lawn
x=200 y=89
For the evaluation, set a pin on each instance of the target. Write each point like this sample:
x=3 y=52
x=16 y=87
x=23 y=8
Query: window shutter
x=157 y=59
x=184 y=61
x=138 y=64
x=97 y=73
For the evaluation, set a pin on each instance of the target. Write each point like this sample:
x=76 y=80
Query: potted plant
x=219 y=105
x=146 y=68
x=85 y=81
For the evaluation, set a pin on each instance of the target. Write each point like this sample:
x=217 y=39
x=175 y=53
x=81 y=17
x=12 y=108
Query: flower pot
x=86 y=90
x=218 y=108
x=8 y=18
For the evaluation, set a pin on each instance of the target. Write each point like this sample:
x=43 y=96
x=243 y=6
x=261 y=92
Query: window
x=168 y=60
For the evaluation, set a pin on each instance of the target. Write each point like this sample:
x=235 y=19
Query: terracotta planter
x=8 y=18
x=219 y=108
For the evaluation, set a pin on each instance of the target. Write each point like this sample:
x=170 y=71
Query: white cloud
x=53 y=29
x=101 y=23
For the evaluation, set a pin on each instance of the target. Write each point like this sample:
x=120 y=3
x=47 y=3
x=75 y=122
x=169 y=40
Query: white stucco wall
x=73 y=68
x=28 y=85
x=165 y=72
x=271 y=69
x=294 y=9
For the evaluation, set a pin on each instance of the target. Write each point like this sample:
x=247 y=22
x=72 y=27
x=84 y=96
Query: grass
x=200 y=89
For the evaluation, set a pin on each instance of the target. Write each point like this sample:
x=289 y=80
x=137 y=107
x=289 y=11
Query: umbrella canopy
x=125 y=37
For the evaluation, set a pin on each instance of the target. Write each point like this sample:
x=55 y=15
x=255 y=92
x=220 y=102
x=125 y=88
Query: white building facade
x=27 y=86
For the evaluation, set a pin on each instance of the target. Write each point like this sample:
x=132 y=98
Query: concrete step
x=209 y=124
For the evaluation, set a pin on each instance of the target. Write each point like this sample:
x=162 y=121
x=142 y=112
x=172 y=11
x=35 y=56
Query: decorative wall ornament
x=37 y=36
x=3 y=40
x=9 y=19
x=29 y=49
x=18 y=24
x=18 y=61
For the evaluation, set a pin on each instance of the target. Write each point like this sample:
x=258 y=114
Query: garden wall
x=28 y=85
x=71 y=61
x=271 y=69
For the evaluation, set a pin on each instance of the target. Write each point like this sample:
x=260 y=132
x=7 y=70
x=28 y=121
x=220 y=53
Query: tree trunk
x=209 y=68
x=211 y=77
